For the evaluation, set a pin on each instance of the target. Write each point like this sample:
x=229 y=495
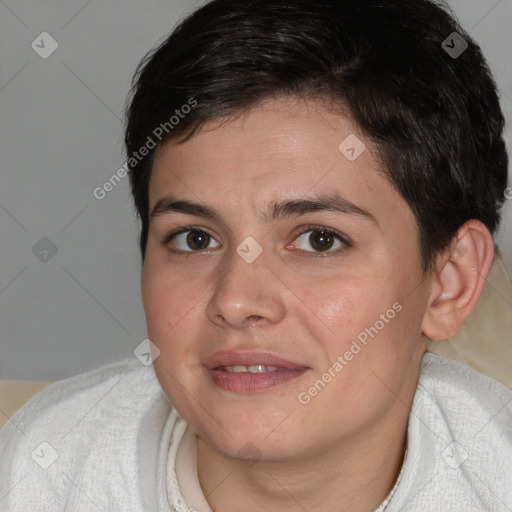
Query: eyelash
x=347 y=244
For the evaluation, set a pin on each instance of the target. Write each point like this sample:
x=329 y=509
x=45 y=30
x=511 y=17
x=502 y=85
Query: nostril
x=254 y=319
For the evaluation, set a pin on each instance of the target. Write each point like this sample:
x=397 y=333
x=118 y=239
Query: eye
x=191 y=240
x=321 y=240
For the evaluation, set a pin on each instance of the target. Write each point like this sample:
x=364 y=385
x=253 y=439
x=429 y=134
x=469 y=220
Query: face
x=282 y=283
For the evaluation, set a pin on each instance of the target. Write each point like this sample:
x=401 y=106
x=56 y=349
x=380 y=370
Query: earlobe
x=458 y=281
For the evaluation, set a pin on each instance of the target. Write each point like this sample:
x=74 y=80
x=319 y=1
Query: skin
x=342 y=450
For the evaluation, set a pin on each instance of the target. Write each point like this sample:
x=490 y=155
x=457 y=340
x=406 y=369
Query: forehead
x=283 y=148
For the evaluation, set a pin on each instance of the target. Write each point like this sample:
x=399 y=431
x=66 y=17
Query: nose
x=246 y=294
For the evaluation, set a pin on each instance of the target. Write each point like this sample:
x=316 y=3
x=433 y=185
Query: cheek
x=168 y=302
x=347 y=306
x=366 y=321
x=171 y=317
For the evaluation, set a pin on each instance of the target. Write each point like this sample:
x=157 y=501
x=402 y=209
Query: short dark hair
x=434 y=117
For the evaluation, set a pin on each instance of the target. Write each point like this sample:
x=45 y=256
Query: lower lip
x=248 y=382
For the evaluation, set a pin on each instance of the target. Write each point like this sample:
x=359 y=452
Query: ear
x=458 y=281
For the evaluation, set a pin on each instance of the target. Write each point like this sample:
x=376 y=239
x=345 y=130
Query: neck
x=355 y=476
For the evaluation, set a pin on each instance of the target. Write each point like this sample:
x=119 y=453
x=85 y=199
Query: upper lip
x=249 y=358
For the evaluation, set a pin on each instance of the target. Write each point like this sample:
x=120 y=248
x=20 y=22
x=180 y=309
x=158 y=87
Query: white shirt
x=109 y=440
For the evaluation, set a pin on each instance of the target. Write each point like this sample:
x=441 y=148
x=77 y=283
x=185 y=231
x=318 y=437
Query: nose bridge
x=244 y=288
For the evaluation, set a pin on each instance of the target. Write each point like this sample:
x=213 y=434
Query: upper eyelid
x=335 y=232
x=305 y=229
x=178 y=231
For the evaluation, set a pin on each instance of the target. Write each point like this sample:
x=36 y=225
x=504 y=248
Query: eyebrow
x=277 y=210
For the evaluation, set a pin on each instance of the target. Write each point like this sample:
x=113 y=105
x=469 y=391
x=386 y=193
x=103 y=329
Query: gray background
x=61 y=121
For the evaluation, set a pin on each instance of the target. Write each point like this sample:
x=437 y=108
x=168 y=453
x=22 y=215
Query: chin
x=251 y=450
x=250 y=441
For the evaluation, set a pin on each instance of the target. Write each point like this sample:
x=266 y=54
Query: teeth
x=257 y=368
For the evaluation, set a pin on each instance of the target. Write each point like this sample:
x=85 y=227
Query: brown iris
x=198 y=240
x=321 y=240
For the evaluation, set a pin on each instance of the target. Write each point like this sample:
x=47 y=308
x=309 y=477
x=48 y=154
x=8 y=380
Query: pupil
x=321 y=240
x=198 y=240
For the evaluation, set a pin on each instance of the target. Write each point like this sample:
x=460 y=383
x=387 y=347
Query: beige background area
x=14 y=394
x=485 y=340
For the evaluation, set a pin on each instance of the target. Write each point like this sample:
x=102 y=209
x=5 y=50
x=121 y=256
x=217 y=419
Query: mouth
x=256 y=368
x=247 y=372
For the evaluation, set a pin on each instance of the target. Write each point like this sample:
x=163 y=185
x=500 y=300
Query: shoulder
x=70 y=399
x=461 y=405
x=453 y=387
x=459 y=441
x=78 y=429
